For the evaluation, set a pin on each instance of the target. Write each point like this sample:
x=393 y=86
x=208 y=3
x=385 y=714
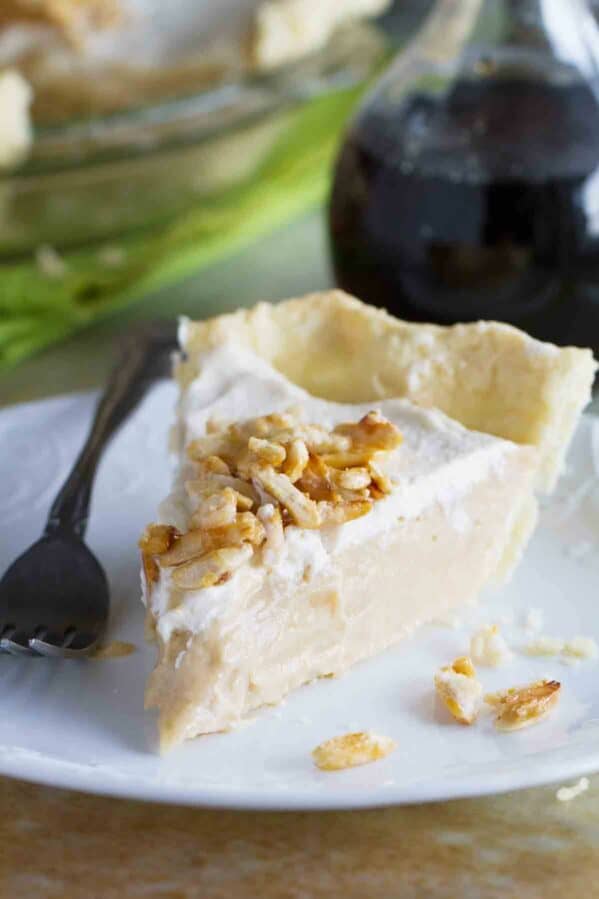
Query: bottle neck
x=568 y=31
x=540 y=40
x=562 y=32
x=439 y=43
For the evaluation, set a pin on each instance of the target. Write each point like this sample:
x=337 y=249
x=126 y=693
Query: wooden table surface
x=60 y=844
x=518 y=846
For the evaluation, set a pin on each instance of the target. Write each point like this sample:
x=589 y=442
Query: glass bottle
x=468 y=183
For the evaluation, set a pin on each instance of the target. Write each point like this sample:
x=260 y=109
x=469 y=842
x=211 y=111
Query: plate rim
x=48 y=774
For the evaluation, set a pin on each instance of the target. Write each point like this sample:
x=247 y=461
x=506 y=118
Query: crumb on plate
x=352 y=749
x=460 y=691
x=567 y=794
x=488 y=647
x=522 y=706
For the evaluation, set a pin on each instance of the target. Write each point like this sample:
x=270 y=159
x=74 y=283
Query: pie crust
x=489 y=376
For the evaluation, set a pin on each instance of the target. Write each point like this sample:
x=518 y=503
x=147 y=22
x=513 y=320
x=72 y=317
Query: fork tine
x=63 y=648
x=69 y=636
x=14 y=648
x=42 y=638
x=7 y=644
x=40 y=645
x=40 y=633
x=45 y=649
x=54 y=651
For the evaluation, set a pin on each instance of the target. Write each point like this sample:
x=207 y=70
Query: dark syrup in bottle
x=482 y=205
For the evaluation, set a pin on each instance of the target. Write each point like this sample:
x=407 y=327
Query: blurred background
x=142 y=144
x=159 y=159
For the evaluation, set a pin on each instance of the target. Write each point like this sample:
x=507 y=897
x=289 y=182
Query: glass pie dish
x=89 y=179
x=111 y=207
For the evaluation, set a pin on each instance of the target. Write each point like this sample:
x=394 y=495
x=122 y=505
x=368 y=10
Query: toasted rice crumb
x=350 y=750
x=581 y=648
x=303 y=474
x=522 y=706
x=460 y=691
x=544 y=646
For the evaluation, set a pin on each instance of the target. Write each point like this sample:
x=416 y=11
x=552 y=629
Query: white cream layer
x=438 y=464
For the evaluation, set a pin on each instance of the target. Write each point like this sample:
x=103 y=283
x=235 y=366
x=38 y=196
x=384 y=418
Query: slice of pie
x=344 y=477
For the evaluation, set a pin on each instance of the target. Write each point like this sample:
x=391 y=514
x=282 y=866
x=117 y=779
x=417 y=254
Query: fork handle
x=145 y=358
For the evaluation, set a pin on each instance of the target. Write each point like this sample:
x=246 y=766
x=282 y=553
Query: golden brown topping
x=522 y=706
x=151 y=571
x=157 y=538
x=319 y=440
x=215 y=465
x=302 y=509
x=270 y=517
x=250 y=528
x=349 y=459
x=352 y=478
x=290 y=471
x=213 y=568
x=456 y=685
x=186 y=547
x=316 y=481
x=245 y=528
x=296 y=461
x=244 y=503
x=380 y=479
x=207 y=485
x=373 y=431
x=343 y=512
x=463 y=665
x=216 y=425
x=221 y=445
x=218 y=510
x=275 y=421
x=266 y=451
x=350 y=750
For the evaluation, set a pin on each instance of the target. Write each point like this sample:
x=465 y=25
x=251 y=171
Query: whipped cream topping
x=438 y=463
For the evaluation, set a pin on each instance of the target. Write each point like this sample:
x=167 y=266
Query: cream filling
x=439 y=463
x=267 y=643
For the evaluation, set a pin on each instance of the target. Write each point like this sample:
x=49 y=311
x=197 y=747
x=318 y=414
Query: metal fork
x=54 y=599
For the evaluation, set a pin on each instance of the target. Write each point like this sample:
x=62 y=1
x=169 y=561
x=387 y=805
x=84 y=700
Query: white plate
x=82 y=724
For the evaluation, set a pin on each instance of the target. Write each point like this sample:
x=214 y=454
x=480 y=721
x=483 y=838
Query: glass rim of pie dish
x=169 y=145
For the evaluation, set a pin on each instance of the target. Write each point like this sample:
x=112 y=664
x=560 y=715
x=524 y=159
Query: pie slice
x=344 y=477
